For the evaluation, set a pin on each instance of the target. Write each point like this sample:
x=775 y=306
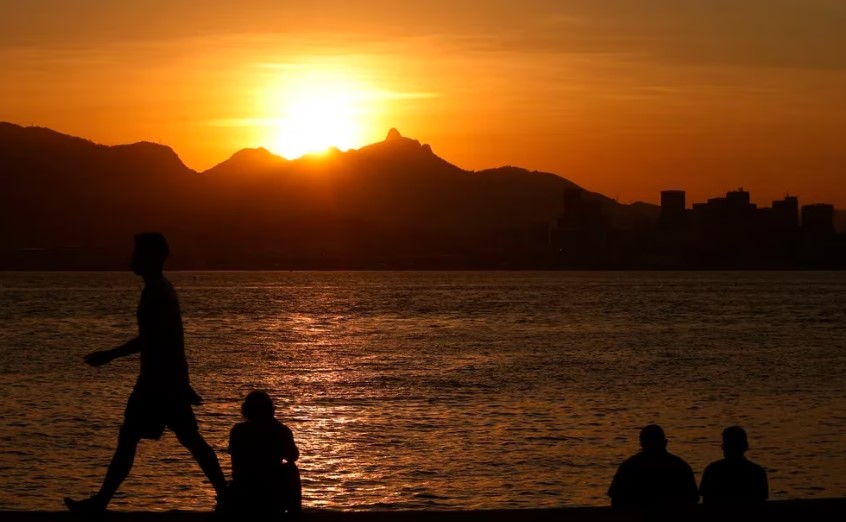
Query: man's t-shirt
x=734 y=482
x=164 y=369
x=654 y=480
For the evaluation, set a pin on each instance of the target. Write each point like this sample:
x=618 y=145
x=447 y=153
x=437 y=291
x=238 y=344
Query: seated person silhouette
x=734 y=481
x=654 y=478
x=265 y=478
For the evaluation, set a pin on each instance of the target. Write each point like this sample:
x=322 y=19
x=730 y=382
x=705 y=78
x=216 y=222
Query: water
x=435 y=390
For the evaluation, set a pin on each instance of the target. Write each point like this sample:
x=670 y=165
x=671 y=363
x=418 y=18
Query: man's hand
x=194 y=398
x=98 y=358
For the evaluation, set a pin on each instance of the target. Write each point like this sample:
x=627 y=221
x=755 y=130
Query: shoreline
x=806 y=510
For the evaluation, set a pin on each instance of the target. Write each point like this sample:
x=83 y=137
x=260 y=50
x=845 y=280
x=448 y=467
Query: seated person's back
x=654 y=478
x=734 y=480
x=264 y=476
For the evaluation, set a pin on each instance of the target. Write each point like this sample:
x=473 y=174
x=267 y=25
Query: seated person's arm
x=290 y=453
x=235 y=453
x=614 y=490
x=692 y=491
x=764 y=492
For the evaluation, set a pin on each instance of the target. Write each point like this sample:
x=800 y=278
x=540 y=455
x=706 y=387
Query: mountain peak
x=255 y=154
x=258 y=158
x=154 y=156
x=393 y=135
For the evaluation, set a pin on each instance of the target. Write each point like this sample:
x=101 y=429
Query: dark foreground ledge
x=798 y=510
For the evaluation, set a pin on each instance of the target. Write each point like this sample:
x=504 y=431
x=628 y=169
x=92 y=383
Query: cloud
x=809 y=34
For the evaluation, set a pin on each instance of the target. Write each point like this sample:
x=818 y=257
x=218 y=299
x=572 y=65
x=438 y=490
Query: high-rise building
x=673 y=210
x=818 y=219
x=738 y=200
x=785 y=213
x=673 y=201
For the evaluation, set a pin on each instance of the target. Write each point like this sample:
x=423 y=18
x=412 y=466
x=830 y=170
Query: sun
x=314 y=111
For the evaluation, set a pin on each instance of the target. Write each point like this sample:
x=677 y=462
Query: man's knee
x=128 y=437
x=190 y=438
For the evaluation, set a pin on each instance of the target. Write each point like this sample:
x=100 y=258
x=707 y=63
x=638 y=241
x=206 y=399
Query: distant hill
x=66 y=202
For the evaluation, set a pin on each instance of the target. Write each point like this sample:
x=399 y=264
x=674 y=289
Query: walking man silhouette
x=163 y=395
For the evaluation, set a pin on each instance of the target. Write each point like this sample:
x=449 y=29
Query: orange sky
x=622 y=97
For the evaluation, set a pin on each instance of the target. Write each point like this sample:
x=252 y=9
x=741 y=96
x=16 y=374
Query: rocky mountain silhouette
x=66 y=202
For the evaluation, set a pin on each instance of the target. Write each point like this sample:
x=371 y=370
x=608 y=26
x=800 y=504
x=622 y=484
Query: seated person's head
x=652 y=438
x=258 y=405
x=735 y=442
x=151 y=251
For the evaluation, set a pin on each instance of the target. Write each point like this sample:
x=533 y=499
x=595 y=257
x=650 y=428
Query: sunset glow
x=624 y=98
x=311 y=112
x=464 y=256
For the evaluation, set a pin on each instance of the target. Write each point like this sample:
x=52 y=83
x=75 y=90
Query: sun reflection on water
x=435 y=391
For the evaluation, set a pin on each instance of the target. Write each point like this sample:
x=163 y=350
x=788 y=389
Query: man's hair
x=153 y=246
x=652 y=437
x=735 y=440
x=258 y=405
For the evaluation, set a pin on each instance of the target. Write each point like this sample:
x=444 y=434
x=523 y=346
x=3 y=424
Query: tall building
x=818 y=219
x=738 y=200
x=673 y=201
x=673 y=210
x=785 y=214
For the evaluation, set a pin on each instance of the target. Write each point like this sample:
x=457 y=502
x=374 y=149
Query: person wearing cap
x=654 y=478
x=734 y=481
x=163 y=396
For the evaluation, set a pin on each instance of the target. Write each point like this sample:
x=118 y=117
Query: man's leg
x=205 y=457
x=121 y=463
x=119 y=468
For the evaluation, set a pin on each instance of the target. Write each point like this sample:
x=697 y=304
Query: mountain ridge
x=390 y=203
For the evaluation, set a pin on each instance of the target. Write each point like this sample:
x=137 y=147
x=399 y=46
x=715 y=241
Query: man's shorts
x=147 y=416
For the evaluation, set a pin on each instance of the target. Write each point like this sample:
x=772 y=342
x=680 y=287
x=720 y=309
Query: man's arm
x=102 y=357
x=614 y=490
x=692 y=492
x=764 y=487
x=705 y=485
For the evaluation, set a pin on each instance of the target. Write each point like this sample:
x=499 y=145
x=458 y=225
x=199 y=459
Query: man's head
x=735 y=441
x=151 y=251
x=652 y=438
x=258 y=405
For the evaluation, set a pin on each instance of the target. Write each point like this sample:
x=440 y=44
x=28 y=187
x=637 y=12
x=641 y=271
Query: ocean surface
x=435 y=390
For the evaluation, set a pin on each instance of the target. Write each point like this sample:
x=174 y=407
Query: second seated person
x=265 y=478
x=734 y=481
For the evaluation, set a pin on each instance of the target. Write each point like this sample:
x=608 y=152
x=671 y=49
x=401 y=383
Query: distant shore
x=805 y=510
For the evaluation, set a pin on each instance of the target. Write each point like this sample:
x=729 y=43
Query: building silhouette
x=728 y=232
x=818 y=219
x=785 y=214
x=673 y=209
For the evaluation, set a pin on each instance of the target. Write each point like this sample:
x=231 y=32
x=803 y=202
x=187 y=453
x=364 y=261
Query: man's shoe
x=223 y=506
x=89 y=506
